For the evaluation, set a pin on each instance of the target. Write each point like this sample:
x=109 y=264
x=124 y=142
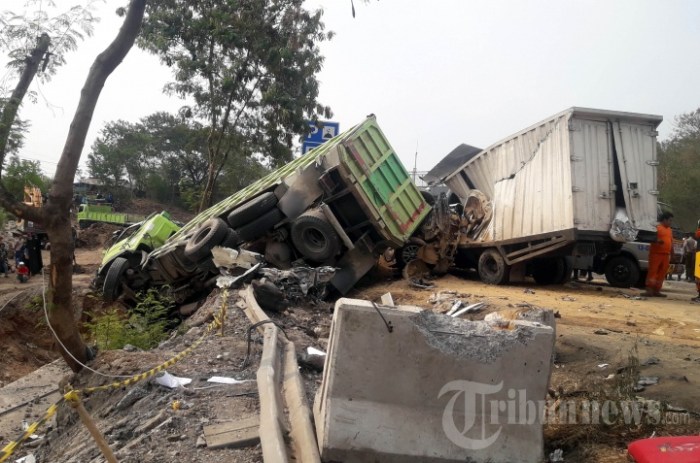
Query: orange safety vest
x=665 y=234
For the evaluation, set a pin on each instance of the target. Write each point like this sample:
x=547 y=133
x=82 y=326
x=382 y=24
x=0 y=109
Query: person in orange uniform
x=659 y=257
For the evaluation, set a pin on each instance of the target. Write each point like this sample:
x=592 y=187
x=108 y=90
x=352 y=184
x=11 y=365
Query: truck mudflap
x=354 y=264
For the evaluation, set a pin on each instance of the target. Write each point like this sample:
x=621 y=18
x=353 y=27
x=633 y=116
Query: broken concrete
x=406 y=385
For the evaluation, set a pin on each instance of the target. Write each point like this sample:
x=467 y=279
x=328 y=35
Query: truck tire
x=550 y=271
x=112 y=288
x=211 y=233
x=314 y=237
x=622 y=272
x=492 y=268
x=232 y=239
x=642 y=282
x=261 y=225
x=406 y=254
x=249 y=211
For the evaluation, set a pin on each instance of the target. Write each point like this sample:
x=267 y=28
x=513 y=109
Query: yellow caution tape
x=9 y=449
x=72 y=395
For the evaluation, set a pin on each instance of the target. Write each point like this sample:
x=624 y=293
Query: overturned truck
x=340 y=205
x=580 y=182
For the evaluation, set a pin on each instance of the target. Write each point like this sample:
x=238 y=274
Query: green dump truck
x=90 y=213
x=342 y=204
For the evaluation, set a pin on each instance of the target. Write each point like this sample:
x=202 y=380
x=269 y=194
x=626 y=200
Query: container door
x=635 y=148
x=592 y=177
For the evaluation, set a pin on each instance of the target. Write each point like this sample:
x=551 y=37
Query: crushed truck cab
x=127 y=250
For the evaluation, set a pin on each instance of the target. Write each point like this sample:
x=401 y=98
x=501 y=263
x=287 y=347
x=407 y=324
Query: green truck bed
x=369 y=166
x=355 y=180
x=104 y=213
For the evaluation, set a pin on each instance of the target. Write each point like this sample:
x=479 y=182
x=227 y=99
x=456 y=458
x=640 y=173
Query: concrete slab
x=415 y=386
x=28 y=398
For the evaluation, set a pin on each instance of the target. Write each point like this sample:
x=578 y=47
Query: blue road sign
x=321 y=133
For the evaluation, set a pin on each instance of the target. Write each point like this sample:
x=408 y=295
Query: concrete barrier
x=407 y=385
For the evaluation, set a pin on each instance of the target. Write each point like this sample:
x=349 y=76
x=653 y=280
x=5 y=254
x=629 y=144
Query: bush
x=144 y=327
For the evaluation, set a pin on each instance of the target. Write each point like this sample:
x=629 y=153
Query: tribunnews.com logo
x=474 y=421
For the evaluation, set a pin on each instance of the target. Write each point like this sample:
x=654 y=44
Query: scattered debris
x=27 y=459
x=168 y=380
x=650 y=361
x=299 y=282
x=455 y=307
x=421 y=283
x=241 y=433
x=603 y=365
x=632 y=297
x=387 y=300
x=568 y=299
x=529 y=291
x=227 y=380
x=556 y=456
x=469 y=309
x=647 y=381
x=313 y=358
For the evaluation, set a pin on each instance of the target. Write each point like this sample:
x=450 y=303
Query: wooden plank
x=241 y=433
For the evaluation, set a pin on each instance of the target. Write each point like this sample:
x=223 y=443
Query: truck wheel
x=622 y=272
x=550 y=271
x=492 y=268
x=112 y=287
x=261 y=225
x=406 y=254
x=567 y=268
x=249 y=211
x=232 y=239
x=314 y=237
x=211 y=233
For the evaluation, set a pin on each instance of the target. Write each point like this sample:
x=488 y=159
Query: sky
x=435 y=73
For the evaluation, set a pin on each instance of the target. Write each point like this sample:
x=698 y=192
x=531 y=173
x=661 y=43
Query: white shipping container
x=571 y=171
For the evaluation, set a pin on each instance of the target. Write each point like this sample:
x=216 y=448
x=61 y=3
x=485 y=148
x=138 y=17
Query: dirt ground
x=598 y=329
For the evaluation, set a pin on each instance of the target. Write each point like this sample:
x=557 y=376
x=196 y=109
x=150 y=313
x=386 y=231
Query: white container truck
x=582 y=179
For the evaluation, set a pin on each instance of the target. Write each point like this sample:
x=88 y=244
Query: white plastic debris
x=313 y=351
x=556 y=456
x=603 y=365
x=28 y=459
x=227 y=380
x=25 y=426
x=168 y=380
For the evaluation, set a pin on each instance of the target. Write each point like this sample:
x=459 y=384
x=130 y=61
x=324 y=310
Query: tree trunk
x=61 y=313
x=56 y=213
x=208 y=192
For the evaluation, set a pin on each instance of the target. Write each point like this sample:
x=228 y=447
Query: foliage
x=17 y=131
x=679 y=171
x=163 y=156
x=21 y=172
x=145 y=327
x=249 y=66
x=20 y=30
